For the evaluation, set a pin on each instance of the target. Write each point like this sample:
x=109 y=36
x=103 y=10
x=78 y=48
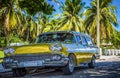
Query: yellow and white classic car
x=61 y=49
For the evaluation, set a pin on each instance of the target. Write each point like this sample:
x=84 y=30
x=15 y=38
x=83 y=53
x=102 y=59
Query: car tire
x=19 y=72
x=92 y=63
x=69 y=68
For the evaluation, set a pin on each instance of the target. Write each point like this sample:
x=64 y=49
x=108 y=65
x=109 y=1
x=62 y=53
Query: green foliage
x=70 y=18
x=31 y=8
x=107 y=19
x=16 y=26
x=14 y=38
x=34 y=6
x=2 y=41
x=12 y=21
x=73 y=6
x=9 y=14
x=115 y=39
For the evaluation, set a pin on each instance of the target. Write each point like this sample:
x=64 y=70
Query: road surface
x=106 y=67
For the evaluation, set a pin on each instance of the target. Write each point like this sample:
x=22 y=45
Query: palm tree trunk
x=6 y=31
x=28 y=34
x=39 y=16
x=6 y=37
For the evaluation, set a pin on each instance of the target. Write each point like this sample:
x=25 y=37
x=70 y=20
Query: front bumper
x=12 y=63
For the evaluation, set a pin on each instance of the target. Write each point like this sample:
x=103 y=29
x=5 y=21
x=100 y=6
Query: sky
x=115 y=3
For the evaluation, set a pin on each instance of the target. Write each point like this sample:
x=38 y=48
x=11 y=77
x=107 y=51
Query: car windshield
x=55 y=37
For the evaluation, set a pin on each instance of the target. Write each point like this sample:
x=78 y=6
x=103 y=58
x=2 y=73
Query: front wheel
x=92 y=63
x=69 y=68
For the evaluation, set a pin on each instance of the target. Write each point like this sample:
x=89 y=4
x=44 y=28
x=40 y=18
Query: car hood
x=32 y=49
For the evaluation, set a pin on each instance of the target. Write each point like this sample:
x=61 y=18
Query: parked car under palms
x=61 y=49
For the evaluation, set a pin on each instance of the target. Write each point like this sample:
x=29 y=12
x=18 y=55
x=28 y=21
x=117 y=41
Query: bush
x=12 y=39
x=2 y=41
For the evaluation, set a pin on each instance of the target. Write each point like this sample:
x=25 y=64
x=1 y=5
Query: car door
x=70 y=43
x=91 y=48
x=82 y=44
x=83 y=54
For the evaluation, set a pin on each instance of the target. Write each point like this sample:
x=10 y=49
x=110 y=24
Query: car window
x=79 y=40
x=56 y=37
x=84 y=42
x=89 y=42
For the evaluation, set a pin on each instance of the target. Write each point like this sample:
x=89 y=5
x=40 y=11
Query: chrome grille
x=32 y=57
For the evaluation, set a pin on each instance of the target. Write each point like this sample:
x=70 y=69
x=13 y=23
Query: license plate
x=32 y=63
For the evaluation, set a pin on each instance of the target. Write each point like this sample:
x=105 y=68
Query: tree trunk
x=28 y=34
x=38 y=31
x=6 y=31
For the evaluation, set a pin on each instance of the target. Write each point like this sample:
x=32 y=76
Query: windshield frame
x=56 y=37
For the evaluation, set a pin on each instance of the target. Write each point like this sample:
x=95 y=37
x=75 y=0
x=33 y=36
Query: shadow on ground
x=102 y=70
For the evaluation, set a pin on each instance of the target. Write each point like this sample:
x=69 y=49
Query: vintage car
x=60 y=49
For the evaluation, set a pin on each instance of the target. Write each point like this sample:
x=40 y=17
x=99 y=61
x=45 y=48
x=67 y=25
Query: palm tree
x=28 y=29
x=70 y=18
x=37 y=7
x=107 y=19
x=9 y=13
x=44 y=24
x=52 y=23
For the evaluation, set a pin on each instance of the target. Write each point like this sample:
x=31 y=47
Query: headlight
x=9 y=51
x=56 y=57
x=8 y=60
x=55 y=47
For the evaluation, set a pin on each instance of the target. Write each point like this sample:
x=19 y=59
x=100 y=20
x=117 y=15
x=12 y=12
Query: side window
x=79 y=40
x=69 y=38
x=89 y=42
x=73 y=38
x=84 y=42
x=41 y=39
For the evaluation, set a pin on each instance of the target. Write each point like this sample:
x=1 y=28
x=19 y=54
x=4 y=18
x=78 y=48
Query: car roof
x=72 y=32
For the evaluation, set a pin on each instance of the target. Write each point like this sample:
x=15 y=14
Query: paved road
x=107 y=67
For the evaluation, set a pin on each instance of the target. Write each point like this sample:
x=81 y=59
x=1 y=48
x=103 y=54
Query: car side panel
x=82 y=57
x=81 y=53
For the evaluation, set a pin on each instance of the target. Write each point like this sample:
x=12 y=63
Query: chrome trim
x=35 y=63
x=33 y=57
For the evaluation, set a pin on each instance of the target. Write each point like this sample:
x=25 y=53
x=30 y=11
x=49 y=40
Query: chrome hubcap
x=71 y=64
x=93 y=61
